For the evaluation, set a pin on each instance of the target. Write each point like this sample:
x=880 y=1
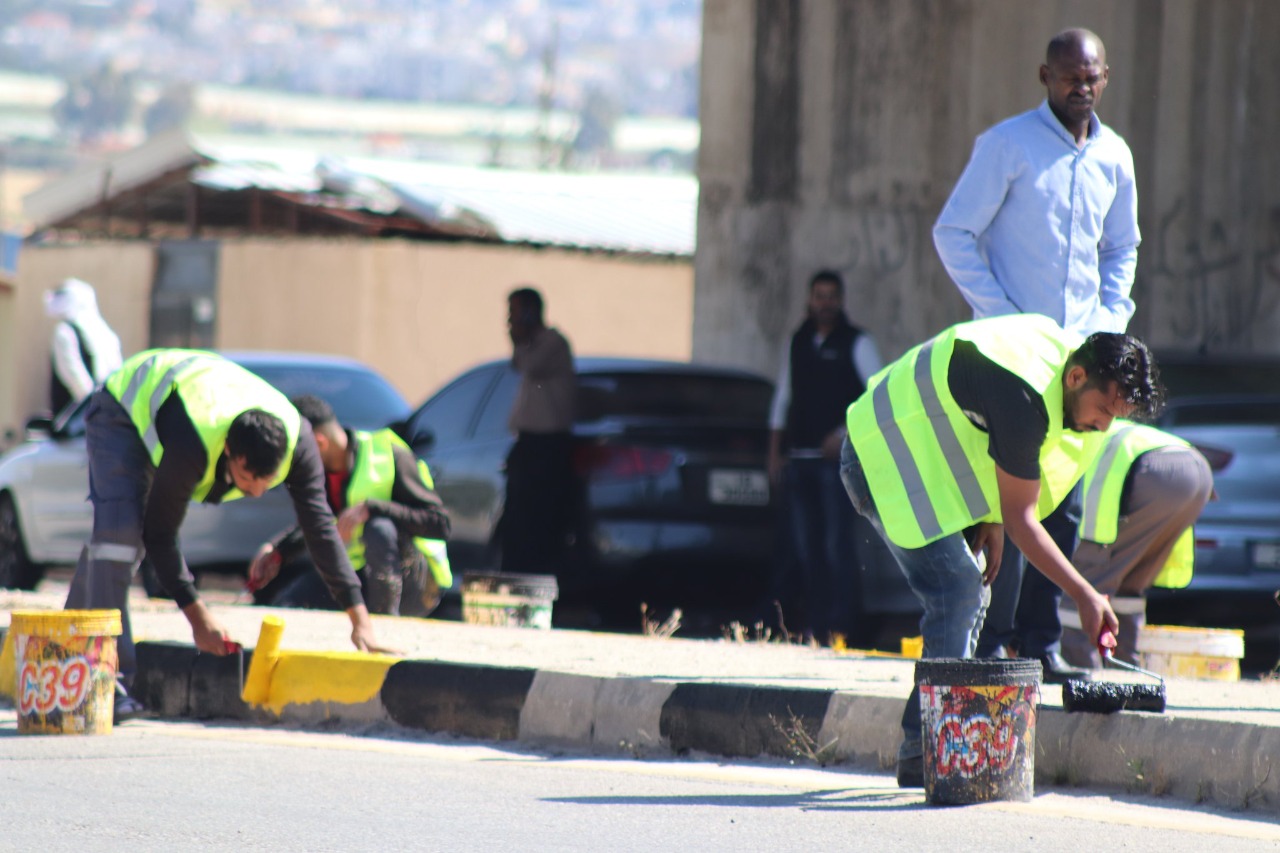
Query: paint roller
x=1107 y=697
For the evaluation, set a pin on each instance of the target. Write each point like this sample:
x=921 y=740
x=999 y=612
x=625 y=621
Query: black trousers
x=537 y=516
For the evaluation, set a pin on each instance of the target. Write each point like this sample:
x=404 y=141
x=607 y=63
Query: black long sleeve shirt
x=414 y=508
x=180 y=471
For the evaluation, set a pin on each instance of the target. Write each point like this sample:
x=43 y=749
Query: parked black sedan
x=674 y=507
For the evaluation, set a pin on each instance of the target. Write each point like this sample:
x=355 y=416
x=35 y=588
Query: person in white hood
x=85 y=350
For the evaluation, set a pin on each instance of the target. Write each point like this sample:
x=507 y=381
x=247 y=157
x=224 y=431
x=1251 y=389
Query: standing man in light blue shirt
x=1044 y=220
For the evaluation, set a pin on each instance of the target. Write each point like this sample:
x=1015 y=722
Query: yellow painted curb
x=276 y=679
x=349 y=678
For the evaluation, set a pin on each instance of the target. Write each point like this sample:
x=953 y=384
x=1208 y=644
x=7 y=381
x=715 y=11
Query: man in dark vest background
x=825 y=367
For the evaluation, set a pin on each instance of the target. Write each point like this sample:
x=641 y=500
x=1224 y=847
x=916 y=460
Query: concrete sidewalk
x=1217 y=743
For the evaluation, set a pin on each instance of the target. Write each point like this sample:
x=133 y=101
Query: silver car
x=1238 y=533
x=45 y=516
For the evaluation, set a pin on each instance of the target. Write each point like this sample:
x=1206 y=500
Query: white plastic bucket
x=512 y=600
x=1176 y=651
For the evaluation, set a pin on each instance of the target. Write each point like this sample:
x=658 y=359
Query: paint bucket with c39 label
x=978 y=722
x=65 y=663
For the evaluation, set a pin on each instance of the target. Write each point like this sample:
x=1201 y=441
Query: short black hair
x=260 y=439
x=1111 y=357
x=315 y=410
x=529 y=300
x=827 y=275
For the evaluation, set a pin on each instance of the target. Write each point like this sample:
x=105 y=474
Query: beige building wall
x=421 y=312
x=120 y=273
x=417 y=312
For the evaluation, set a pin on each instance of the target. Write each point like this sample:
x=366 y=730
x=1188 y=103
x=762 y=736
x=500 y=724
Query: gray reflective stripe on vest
x=150 y=439
x=944 y=431
x=111 y=552
x=1093 y=499
x=135 y=384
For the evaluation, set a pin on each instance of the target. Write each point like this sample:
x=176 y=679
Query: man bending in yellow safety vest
x=173 y=426
x=1141 y=497
x=389 y=517
x=982 y=429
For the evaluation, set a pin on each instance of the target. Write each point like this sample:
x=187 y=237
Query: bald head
x=1074 y=74
x=1075 y=42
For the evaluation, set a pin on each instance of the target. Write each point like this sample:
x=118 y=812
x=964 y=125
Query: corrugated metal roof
x=647 y=213
x=631 y=212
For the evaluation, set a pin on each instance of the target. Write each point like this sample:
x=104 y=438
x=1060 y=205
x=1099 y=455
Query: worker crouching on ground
x=389 y=517
x=985 y=428
x=1141 y=497
x=173 y=426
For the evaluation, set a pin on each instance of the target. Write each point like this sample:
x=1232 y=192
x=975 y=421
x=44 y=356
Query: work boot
x=911 y=772
x=1058 y=671
x=127 y=708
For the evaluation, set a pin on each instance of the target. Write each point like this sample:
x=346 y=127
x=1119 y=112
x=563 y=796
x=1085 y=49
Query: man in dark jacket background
x=826 y=366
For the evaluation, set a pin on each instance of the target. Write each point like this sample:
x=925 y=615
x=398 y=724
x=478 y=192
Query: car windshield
x=672 y=395
x=361 y=399
x=1223 y=413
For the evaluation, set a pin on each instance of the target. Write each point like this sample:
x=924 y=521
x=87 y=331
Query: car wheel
x=16 y=569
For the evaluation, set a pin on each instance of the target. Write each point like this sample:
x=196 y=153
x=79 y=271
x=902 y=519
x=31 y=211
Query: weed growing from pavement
x=1256 y=793
x=760 y=633
x=800 y=743
x=654 y=628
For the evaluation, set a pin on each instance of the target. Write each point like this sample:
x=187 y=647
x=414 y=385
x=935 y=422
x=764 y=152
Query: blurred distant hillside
x=574 y=84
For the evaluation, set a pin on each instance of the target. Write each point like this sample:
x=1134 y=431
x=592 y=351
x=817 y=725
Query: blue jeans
x=822 y=547
x=946 y=578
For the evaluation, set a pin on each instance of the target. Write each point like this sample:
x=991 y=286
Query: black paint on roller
x=1107 y=697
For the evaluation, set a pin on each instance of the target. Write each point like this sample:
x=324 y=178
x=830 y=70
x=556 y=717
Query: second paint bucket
x=66 y=670
x=979 y=727
x=513 y=600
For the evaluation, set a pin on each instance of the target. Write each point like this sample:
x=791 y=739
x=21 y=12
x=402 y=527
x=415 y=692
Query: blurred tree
x=95 y=104
x=171 y=109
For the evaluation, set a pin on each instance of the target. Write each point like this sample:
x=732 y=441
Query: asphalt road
x=185 y=786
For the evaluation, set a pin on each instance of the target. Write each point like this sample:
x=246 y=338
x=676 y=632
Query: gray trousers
x=399 y=580
x=1166 y=490
x=395 y=580
x=120 y=474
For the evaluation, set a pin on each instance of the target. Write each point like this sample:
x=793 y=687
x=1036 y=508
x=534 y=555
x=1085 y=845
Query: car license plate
x=1266 y=555
x=741 y=488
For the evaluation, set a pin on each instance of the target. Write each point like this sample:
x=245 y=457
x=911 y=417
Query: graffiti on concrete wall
x=1223 y=278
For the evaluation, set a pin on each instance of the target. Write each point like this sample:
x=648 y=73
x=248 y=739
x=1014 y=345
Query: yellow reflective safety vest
x=1104 y=487
x=372 y=478
x=214 y=391
x=927 y=464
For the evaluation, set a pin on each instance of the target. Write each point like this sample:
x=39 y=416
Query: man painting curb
x=172 y=426
x=389 y=517
x=979 y=431
x=1141 y=497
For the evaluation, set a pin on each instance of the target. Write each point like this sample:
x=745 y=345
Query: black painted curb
x=741 y=721
x=175 y=680
x=470 y=701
